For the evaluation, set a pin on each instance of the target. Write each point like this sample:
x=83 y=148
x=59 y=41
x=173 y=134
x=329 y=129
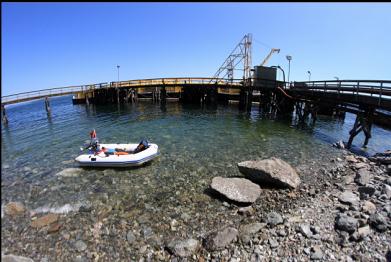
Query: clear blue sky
x=47 y=45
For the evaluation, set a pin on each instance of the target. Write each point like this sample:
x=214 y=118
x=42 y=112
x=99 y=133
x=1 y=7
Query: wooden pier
x=370 y=100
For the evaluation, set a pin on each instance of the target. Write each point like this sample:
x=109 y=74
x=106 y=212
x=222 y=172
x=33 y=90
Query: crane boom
x=269 y=55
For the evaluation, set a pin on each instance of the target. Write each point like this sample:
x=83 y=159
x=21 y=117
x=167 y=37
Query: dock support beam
x=245 y=98
x=4 y=115
x=363 y=123
x=305 y=109
x=163 y=95
x=128 y=95
x=249 y=99
x=47 y=105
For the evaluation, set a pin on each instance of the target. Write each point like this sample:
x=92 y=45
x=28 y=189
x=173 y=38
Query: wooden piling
x=242 y=99
x=127 y=96
x=249 y=98
x=47 y=105
x=135 y=95
x=4 y=115
x=163 y=95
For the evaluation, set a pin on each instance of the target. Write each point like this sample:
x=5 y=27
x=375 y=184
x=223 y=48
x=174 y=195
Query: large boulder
x=237 y=189
x=272 y=171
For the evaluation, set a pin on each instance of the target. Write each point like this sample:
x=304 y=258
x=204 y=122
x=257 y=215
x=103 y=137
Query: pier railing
x=380 y=88
x=58 y=91
x=181 y=81
x=176 y=81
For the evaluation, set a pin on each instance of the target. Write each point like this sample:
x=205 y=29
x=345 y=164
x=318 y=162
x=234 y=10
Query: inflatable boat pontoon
x=118 y=155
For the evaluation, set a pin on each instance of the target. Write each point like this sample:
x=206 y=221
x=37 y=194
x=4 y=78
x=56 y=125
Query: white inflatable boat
x=118 y=155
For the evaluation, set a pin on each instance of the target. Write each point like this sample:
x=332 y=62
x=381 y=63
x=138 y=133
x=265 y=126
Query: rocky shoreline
x=339 y=211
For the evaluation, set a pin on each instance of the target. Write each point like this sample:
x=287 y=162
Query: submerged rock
x=55 y=227
x=237 y=189
x=80 y=245
x=13 y=258
x=183 y=248
x=220 y=239
x=272 y=171
x=130 y=237
x=44 y=221
x=70 y=172
x=14 y=208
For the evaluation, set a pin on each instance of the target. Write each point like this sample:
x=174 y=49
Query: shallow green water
x=196 y=143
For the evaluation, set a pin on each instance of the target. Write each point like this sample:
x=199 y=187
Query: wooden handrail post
x=358 y=87
x=380 y=95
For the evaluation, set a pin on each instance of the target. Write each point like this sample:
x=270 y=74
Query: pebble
x=273 y=243
x=317 y=253
x=305 y=230
x=80 y=246
x=369 y=207
x=44 y=220
x=130 y=237
x=273 y=219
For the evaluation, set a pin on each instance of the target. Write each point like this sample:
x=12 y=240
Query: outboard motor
x=141 y=146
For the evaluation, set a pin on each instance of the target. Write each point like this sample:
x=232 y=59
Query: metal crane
x=269 y=55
